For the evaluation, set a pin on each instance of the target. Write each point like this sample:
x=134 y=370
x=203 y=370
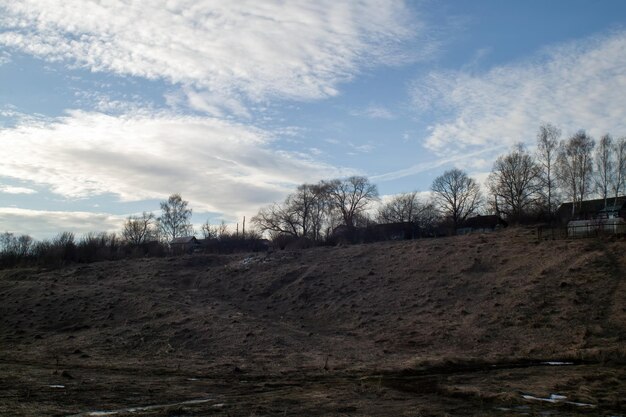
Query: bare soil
x=450 y=326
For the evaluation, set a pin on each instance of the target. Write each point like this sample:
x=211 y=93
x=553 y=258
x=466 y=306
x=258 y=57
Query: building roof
x=183 y=240
x=593 y=206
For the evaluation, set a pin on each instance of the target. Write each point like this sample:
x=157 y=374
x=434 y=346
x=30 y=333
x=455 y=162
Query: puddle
x=139 y=409
x=554 y=363
x=557 y=399
x=56 y=386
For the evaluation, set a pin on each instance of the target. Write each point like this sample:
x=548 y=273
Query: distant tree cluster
x=62 y=249
x=525 y=186
x=312 y=211
x=141 y=235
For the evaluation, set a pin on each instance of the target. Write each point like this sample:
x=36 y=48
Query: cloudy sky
x=109 y=106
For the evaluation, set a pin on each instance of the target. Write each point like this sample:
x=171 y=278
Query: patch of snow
x=138 y=409
x=557 y=398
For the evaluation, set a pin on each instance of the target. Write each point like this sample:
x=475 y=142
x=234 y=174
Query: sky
x=107 y=107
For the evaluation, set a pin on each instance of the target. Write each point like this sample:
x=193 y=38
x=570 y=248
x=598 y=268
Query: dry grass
x=321 y=318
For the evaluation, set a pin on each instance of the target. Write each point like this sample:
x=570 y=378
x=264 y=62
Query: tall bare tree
x=139 y=229
x=618 y=185
x=604 y=172
x=350 y=197
x=278 y=218
x=300 y=215
x=456 y=195
x=575 y=167
x=515 y=181
x=309 y=204
x=175 y=217
x=547 y=151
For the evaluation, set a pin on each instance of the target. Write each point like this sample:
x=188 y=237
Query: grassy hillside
x=385 y=326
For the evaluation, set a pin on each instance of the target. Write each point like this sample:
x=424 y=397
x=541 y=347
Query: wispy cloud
x=578 y=85
x=460 y=160
x=374 y=111
x=8 y=189
x=220 y=51
x=42 y=224
x=219 y=166
x=5 y=58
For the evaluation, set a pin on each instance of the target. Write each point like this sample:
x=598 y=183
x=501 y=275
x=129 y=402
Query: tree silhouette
x=456 y=195
x=174 y=220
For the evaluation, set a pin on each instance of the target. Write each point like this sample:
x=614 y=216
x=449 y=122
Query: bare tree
x=618 y=184
x=278 y=219
x=456 y=195
x=515 y=183
x=547 y=150
x=139 y=229
x=604 y=166
x=574 y=166
x=307 y=207
x=301 y=215
x=350 y=197
x=406 y=207
x=209 y=231
x=175 y=216
x=18 y=246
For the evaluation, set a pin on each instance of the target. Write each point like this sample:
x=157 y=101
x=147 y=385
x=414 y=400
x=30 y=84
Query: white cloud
x=374 y=111
x=579 y=85
x=218 y=166
x=256 y=49
x=42 y=224
x=5 y=58
x=8 y=189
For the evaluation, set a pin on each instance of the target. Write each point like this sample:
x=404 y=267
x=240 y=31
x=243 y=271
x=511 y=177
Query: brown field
x=451 y=326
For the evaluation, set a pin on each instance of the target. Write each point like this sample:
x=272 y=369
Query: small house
x=592 y=209
x=185 y=244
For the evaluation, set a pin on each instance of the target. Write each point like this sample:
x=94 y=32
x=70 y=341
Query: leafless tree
x=350 y=197
x=456 y=195
x=18 y=246
x=278 y=218
x=618 y=184
x=575 y=167
x=301 y=215
x=547 y=151
x=308 y=206
x=139 y=229
x=208 y=230
x=175 y=216
x=407 y=207
x=604 y=172
x=515 y=181
x=214 y=231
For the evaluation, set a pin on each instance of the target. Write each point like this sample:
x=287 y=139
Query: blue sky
x=107 y=107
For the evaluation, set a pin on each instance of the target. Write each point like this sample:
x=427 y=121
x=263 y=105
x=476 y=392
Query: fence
x=583 y=229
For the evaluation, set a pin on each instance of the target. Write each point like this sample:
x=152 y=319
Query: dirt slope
x=353 y=310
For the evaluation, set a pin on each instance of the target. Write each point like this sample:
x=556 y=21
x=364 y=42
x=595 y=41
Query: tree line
x=141 y=235
x=522 y=186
